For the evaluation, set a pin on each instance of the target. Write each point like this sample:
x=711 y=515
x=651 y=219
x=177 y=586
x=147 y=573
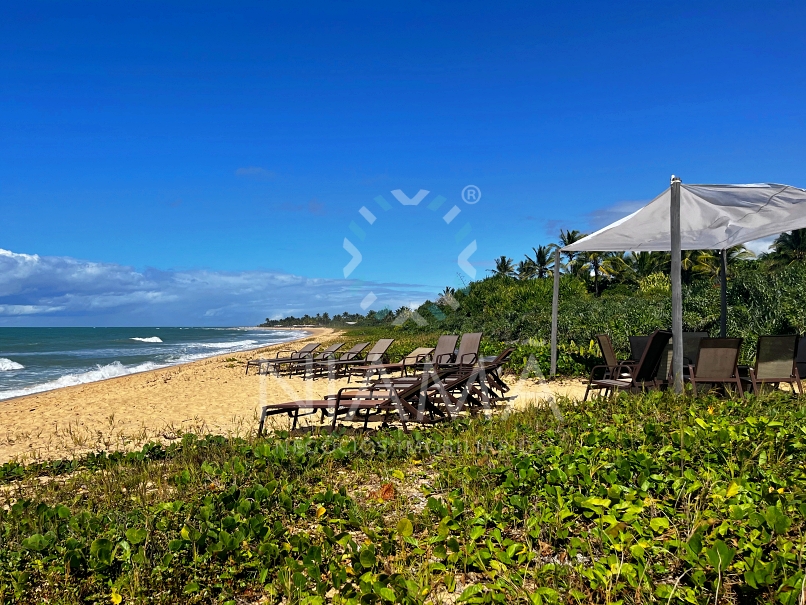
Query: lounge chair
x=468 y=353
x=637 y=346
x=417 y=356
x=611 y=363
x=277 y=361
x=330 y=364
x=775 y=363
x=410 y=402
x=632 y=376
x=445 y=351
x=307 y=363
x=717 y=363
x=377 y=354
x=800 y=360
x=691 y=346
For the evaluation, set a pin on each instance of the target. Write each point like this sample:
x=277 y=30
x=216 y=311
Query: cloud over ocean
x=58 y=290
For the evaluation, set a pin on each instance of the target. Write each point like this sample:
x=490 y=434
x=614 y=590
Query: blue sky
x=145 y=148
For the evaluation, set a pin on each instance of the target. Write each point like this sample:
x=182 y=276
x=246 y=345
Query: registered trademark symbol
x=471 y=194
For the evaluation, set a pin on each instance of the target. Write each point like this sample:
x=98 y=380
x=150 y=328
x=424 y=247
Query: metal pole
x=555 y=303
x=677 y=294
x=723 y=278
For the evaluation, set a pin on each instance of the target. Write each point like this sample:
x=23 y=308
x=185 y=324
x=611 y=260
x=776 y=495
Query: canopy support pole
x=555 y=303
x=723 y=278
x=677 y=294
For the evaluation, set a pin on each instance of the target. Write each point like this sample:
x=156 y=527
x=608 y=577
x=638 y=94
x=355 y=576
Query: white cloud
x=601 y=217
x=255 y=172
x=56 y=290
x=759 y=246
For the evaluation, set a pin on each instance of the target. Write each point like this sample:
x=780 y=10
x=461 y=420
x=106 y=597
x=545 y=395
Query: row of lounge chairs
x=707 y=361
x=310 y=364
x=434 y=386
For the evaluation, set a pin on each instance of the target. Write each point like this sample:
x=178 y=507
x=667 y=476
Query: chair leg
x=693 y=385
x=585 y=398
x=296 y=417
x=262 y=421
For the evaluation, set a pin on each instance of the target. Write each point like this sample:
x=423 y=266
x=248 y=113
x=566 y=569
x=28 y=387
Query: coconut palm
x=598 y=264
x=526 y=269
x=542 y=260
x=504 y=266
x=643 y=264
x=567 y=238
x=788 y=248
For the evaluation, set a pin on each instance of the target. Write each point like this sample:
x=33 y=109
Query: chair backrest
x=775 y=356
x=306 y=350
x=665 y=364
x=469 y=348
x=691 y=346
x=647 y=367
x=800 y=360
x=607 y=350
x=445 y=349
x=379 y=349
x=353 y=352
x=637 y=346
x=417 y=355
x=330 y=350
x=717 y=358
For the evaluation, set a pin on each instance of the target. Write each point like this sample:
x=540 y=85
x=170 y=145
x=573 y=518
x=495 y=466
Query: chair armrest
x=473 y=359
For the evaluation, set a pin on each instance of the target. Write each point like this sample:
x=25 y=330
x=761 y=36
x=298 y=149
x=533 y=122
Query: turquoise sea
x=40 y=359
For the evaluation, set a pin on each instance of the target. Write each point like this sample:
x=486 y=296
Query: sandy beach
x=208 y=396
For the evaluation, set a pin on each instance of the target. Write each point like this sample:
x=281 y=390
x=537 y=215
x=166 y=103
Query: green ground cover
x=638 y=499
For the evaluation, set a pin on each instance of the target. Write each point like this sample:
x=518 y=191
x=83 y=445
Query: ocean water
x=33 y=360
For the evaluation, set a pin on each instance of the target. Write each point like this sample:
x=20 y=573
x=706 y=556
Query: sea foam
x=6 y=365
x=235 y=344
x=112 y=370
x=149 y=339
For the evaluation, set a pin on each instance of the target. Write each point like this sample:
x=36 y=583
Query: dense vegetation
x=640 y=499
x=607 y=293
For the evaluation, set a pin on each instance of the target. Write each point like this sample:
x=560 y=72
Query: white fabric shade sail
x=705 y=217
x=712 y=217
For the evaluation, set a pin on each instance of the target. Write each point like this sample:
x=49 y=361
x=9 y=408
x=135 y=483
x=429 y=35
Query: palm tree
x=504 y=266
x=788 y=248
x=526 y=269
x=542 y=260
x=598 y=263
x=567 y=238
x=643 y=264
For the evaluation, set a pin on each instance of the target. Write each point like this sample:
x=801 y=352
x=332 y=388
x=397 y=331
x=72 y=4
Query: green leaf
x=387 y=593
x=136 y=535
x=367 y=557
x=191 y=587
x=720 y=555
x=659 y=524
x=732 y=490
x=405 y=527
x=777 y=520
x=101 y=549
x=471 y=591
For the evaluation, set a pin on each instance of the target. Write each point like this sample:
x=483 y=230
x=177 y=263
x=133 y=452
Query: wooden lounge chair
x=289 y=356
x=629 y=376
x=307 y=364
x=417 y=356
x=717 y=363
x=330 y=364
x=775 y=363
x=408 y=401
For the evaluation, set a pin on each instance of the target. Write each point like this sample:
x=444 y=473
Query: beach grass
x=638 y=499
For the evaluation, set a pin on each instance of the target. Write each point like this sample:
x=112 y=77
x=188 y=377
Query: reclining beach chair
x=633 y=377
x=417 y=356
x=717 y=363
x=691 y=347
x=307 y=363
x=376 y=355
x=409 y=402
x=775 y=363
x=330 y=364
x=800 y=359
x=277 y=360
x=468 y=353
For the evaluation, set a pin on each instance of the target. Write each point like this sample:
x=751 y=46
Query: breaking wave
x=149 y=339
x=6 y=365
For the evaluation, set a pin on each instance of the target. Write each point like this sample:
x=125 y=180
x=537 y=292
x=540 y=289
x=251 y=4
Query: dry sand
x=209 y=396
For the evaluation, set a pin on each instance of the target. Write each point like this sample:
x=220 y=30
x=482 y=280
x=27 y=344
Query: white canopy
x=712 y=217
